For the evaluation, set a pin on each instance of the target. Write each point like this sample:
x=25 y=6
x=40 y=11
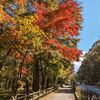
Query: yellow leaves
x=52 y=4
x=25 y=24
x=29 y=33
x=1 y=13
x=98 y=58
x=36 y=30
x=62 y=73
x=1 y=8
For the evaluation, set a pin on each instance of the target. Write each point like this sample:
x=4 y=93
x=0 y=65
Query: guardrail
x=34 y=95
x=87 y=92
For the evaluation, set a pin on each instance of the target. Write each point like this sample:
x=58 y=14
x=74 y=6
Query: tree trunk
x=14 y=85
x=27 y=87
x=36 y=76
x=9 y=83
x=48 y=81
x=6 y=81
x=43 y=82
x=43 y=77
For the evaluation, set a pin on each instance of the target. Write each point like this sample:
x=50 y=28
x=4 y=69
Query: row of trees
x=38 y=41
x=89 y=71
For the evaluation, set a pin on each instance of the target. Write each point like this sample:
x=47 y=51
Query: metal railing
x=88 y=92
x=34 y=95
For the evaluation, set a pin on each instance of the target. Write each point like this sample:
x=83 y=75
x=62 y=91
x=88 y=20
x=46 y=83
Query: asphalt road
x=64 y=93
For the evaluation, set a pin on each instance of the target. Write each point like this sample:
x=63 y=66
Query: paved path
x=64 y=93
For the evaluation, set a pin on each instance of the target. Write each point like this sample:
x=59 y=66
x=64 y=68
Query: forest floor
x=64 y=93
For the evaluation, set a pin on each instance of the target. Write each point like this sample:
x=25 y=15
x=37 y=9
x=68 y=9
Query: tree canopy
x=38 y=38
x=89 y=71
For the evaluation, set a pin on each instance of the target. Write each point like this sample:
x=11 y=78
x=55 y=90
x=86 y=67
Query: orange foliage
x=66 y=17
x=21 y=2
x=18 y=55
x=64 y=22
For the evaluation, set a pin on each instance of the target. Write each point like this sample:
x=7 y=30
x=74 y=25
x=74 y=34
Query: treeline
x=89 y=71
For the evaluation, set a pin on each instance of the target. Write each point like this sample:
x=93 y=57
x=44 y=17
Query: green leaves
x=89 y=70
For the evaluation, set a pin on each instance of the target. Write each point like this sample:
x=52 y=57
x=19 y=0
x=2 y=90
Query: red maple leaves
x=62 y=22
x=65 y=18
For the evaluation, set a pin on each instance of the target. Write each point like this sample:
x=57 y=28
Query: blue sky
x=91 y=26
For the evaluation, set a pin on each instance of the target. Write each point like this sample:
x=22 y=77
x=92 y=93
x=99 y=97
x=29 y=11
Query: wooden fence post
x=33 y=96
x=14 y=97
x=39 y=94
x=25 y=97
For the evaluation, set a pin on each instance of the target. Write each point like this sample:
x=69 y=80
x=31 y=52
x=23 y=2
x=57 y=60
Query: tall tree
x=89 y=70
x=39 y=27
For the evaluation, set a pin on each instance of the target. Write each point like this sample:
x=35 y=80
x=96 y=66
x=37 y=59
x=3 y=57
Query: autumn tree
x=31 y=36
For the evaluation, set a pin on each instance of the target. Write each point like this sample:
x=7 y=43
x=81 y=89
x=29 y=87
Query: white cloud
x=77 y=64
